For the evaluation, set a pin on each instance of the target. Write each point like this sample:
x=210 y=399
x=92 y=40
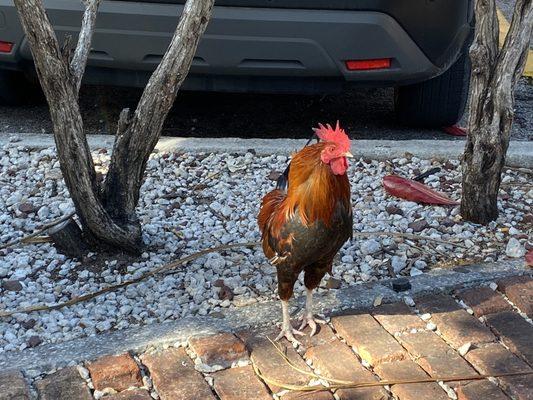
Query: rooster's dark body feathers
x=305 y=221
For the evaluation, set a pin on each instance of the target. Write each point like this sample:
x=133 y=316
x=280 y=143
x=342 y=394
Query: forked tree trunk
x=107 y=211
x=493 y=80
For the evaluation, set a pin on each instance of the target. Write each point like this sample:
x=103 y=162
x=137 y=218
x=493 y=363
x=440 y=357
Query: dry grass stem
x=92 y=295
x=26 y=239
x=341 y=384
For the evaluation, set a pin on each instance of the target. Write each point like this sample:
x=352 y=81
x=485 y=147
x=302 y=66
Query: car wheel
x=437 y=102
x=15 y=89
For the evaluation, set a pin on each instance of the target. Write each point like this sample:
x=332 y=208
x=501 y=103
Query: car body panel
x=267 y=49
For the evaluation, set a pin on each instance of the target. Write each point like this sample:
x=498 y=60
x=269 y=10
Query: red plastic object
x=414 y=191
x=455 y=130
x=360 y=65
x=6 y=47
x=529 y=258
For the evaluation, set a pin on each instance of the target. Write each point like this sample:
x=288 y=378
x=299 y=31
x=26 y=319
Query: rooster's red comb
x=337 y=135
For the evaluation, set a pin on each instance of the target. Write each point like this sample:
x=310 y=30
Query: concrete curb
x=519 y=154
x=256 y=316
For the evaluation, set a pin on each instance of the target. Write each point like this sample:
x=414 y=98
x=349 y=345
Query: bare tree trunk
x=138 y=135
x=107 y=214
x=493 y=80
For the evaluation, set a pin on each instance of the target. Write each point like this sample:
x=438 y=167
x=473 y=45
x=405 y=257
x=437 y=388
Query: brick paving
x=408 y=369
x=65 y=384
x=222 y=350
x=174 y=376
x=484 y=301
x=473 y=331
x=373 y=343
x=519 y=289
x=133 y=394
x=433 y=354
x=478 y=390
x=13 y=386
x=116 y=372
x=456 y=325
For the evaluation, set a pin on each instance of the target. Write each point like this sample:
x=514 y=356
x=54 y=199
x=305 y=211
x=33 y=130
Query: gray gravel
x=179 y=220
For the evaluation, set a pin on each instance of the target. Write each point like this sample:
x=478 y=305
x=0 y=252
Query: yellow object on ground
x=504 y=28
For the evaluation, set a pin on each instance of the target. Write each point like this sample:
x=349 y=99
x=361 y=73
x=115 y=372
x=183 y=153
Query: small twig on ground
x=443 y=254
x=518 y=208
x=45 y=227
x=411 y=236
x=204 y=181
x=334 y=386
x=92 y=295
x=521 y=185
x=520 y=169
x=169 y=266
x=38 y=239
x=414 y=246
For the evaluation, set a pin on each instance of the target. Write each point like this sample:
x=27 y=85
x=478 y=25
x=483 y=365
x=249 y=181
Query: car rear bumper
x=264 y=49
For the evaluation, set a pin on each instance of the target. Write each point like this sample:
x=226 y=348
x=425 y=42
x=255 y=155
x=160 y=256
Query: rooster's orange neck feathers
x=313 y=190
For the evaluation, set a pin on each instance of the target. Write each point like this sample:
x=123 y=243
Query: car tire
x=437 y=102
x=16 y=90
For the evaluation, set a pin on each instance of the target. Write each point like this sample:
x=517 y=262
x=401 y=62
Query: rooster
x=306 y=220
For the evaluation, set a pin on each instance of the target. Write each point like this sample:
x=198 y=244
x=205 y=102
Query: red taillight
x=6 y=47
x=359 y=65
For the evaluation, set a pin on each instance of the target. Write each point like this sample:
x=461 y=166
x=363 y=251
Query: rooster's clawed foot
x=288 y=333
x=309 y=319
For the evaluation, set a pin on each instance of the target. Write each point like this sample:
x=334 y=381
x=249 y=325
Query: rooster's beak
x=348 y=154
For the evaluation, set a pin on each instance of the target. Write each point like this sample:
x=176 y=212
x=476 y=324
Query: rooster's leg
x=308 y=318
x=287 y=331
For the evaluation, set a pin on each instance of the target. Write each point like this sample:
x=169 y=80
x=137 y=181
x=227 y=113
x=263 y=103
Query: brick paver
x=519 y=289
x=322 y=395
x=222 y=349
x=391 y=338
x=239 y=383
x=65 y=384
x=117 y=372
x=484 y=301
x=493 y=359
x=407 y=369
x=336 y=360
x=324 y=335
x=133 y=394
x=515 y=332
x=373 y=343
x=456 y=326
x=13 y=386
x=174 y=376
x=480 y=390
x=271 y=364
x=397 y=317
x=434 y=355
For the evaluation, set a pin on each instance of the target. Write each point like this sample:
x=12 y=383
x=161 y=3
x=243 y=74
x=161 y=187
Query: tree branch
x=494 y=76
x=135 y=142
x=79 y=60
x=483 y=51
x=111 y=217
x=73 y=150
x=513 y=55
